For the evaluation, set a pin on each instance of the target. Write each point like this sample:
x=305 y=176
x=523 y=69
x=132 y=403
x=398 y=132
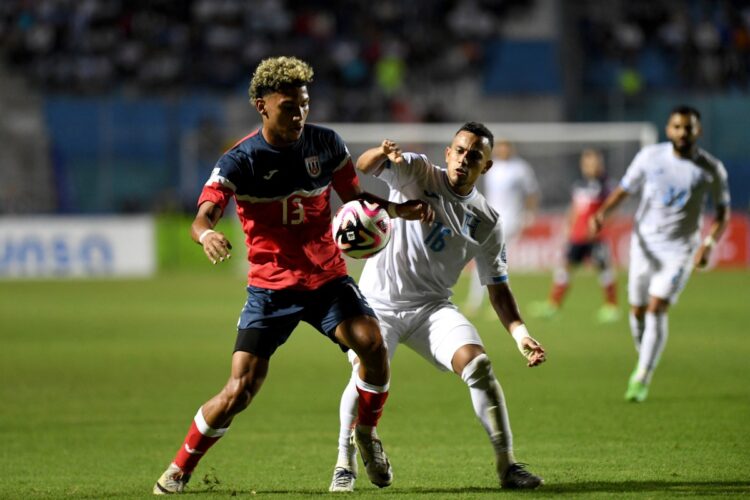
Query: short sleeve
x=222 y=183
x=720 y=186
x=530 y=184
x=413 y=168
x=635 y=174
x=491 y=260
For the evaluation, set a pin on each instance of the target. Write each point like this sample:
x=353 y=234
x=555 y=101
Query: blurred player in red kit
x=588 y=195
x=281 y=178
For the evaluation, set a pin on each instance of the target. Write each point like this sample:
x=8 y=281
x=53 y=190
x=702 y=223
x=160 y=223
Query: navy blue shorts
x=269 y=316
x=597 y=251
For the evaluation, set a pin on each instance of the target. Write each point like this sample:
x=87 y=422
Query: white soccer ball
x=361 y=229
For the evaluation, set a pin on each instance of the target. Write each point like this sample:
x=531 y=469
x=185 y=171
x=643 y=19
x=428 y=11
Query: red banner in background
x=542 y=244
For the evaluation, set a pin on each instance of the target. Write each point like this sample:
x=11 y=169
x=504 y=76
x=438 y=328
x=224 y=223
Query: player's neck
x=685 y=155
x=276 y=140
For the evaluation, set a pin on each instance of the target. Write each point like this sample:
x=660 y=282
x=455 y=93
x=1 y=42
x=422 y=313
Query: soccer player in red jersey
x=281 y=178
x=588 y=196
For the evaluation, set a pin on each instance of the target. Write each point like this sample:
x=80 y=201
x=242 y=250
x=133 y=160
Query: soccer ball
x=361 y=229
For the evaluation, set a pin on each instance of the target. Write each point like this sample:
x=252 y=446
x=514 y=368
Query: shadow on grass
x=681 y=488
x=674 y=487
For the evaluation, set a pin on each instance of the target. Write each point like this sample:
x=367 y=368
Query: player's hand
x=216 y=247
x=392 y=150
x=702 y=256
x=533 y=351
x=595 y=224
x=416 y=210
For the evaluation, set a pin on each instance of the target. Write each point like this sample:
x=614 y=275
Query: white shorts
x=657 y=271
x=435 y=331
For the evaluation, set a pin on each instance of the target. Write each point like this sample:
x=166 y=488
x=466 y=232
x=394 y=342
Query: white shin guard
x=489 y=403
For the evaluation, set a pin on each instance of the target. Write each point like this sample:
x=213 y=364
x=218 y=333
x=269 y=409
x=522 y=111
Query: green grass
x=99 y=381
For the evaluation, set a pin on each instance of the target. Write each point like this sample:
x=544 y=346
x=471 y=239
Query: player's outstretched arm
x=373 y=159
x=504 y=303
x=409 y=210
x=718 y=226
x=613 y=201
x=215 y=245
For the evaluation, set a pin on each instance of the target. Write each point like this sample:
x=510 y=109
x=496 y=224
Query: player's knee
x=478 y=372
x=638 y=311
x=365 y=339
x=561 y=276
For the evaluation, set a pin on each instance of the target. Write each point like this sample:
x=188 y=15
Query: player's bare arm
x=504 y=303
x=370 y=162
x=718 y=226
x=215 y=245
x=612 y=202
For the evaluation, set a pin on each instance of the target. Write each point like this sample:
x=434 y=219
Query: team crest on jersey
x=312 y=164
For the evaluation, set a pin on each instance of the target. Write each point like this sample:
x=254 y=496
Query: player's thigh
x=267 y=320
x=393 y=327
x=339 y=311
x=669 y=281
x=601 y=256
x=640 y=271
x=443 y=331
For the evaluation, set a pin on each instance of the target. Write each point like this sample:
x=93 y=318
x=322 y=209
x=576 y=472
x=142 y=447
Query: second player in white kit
x=674 y=179
x=409 y=286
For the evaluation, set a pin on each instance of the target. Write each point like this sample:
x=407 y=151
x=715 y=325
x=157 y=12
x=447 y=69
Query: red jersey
x=588 y=197
x=283 y=201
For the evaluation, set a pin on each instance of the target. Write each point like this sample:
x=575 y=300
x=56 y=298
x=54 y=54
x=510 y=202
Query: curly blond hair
x=277 y=72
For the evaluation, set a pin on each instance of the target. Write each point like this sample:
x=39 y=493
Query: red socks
x=371 y=401
x=199 y=439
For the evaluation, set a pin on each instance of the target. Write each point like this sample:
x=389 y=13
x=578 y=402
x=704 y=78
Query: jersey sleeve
x=635 y=174
x=530 y=184
x=491 y=260
x=413 y=168
x=345 y=181
x=222 y=183
x=720 y=186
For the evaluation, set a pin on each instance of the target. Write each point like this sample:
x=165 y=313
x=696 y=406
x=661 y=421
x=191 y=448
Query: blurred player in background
x=511 y=188
x=281 y=178
x=588 y=195
x=409 y=286
x=674 y=179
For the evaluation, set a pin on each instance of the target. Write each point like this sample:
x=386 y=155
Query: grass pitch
x=100 y=381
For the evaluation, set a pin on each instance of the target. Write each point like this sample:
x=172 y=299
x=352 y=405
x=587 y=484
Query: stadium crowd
x=357 y=47
x=697 y=45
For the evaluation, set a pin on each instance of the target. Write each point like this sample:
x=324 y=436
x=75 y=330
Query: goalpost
x=552 y=149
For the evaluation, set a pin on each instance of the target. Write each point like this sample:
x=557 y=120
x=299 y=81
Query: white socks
x=654 y=339
x=489 y=407
x=347 y=417
x=636 y=330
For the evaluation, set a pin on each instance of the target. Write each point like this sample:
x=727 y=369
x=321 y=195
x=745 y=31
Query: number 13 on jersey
x=292 y=211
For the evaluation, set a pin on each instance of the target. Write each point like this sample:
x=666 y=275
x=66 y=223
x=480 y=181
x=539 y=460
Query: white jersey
x=506 y=186
x=674 y=192
x=423 y=261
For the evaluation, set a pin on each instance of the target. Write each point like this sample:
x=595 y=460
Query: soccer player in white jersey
x=409 y=285
x=511 y=188
x=674 y=179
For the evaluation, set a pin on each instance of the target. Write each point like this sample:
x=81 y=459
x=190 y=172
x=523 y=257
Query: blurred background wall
x=115 y=107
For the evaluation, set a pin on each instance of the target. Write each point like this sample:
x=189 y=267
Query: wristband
x=204 y=234
x=391 y=209
x=519 y=333
x=709 y=242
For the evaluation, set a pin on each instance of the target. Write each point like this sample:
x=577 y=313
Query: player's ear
x=487 y=166
x=260 y=106
x=447 y=152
